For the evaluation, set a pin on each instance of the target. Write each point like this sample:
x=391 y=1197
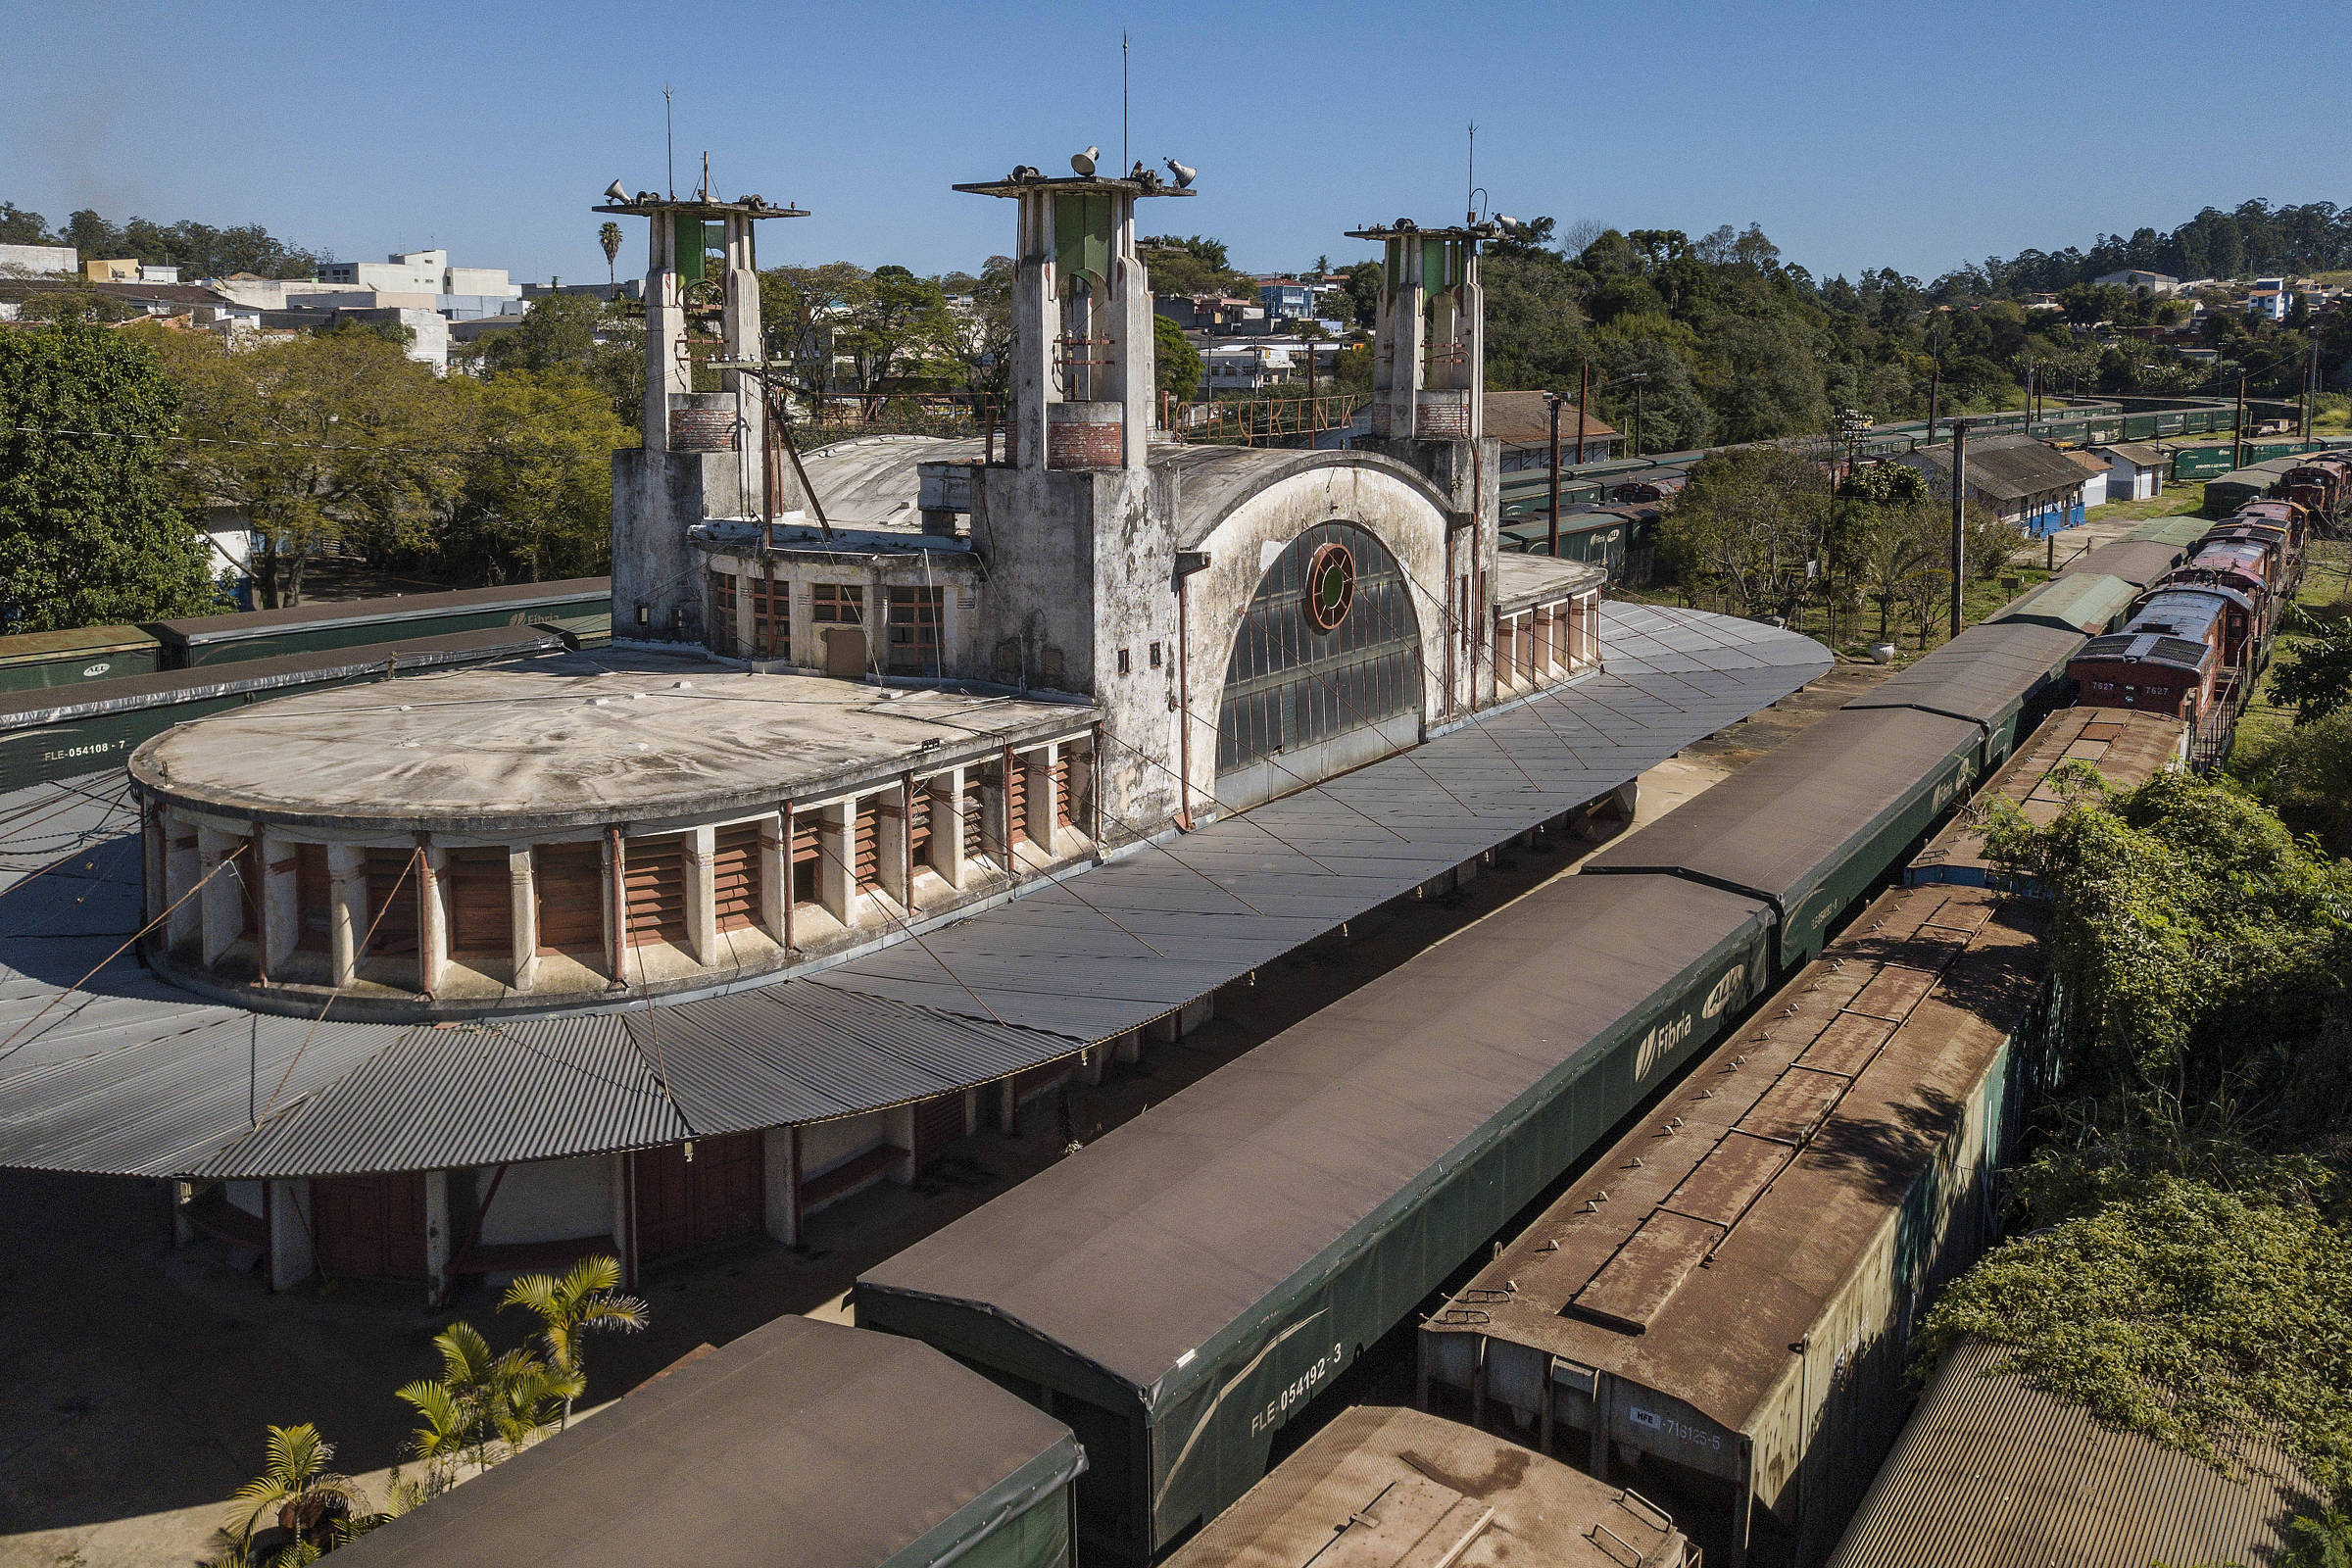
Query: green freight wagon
x=315 y=629
x=1186 y=1287
x=34 y=659
x=801 y=1443
x=51 y=734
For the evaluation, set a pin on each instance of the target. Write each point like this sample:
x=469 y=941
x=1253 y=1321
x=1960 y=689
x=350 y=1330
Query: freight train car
x=1725 y=1297
x=57 y=732
x=802 y=1442
x=1723 y=1302
x=31 y=661
x=1182 y=1288
x=1400 y=1489
x=319 y=627
x=2126 y=747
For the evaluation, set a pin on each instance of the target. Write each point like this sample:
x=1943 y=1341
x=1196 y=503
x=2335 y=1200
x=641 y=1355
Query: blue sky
x=1911 y=136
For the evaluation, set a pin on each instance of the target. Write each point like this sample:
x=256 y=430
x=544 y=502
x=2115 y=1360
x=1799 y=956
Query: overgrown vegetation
x=486 y=1406
x=2185 y=1267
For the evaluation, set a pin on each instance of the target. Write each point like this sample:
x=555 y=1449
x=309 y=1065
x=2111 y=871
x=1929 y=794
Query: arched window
x=1326 y=668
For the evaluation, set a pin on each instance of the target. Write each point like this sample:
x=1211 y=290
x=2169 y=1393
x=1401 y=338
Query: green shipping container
x=34 y=659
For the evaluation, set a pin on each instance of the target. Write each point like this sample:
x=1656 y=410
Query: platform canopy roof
x=106 y=1069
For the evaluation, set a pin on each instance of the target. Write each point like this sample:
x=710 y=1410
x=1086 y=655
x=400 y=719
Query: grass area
x=2326 y=583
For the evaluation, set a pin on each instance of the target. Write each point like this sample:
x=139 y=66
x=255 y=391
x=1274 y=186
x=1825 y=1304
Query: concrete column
x=782 y=1207
x=152 y=855
x=178 y=1193
x=293 y=1257
x=898 y=1129
x=346 y=909
x=947 y=824
x=1040 y=764
x=432 y=916
x=624 y=1213
x=1036 y=312
x=836 y=878
x=701 y=854
x=184 y=865
x=896 y=876
x=281 y=899
x=740 y=332
x=1090 y=1064
x=775 y=875
x=1128 y=1046
x=971 y=1111
x=666 y=368
x=439 y=1239
x=1009 y=1107
x=1129 y=318
x=523 y=913
x=223 y=908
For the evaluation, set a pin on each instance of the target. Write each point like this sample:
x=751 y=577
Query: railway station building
x=920 y=777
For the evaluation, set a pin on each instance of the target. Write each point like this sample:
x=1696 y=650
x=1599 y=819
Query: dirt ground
x=136 y=1378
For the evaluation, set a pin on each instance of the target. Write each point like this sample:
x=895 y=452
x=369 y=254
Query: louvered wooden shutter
x=869 y=859
x=392 y=916
x=735 y=876
x=571 y=894
x=656 y=891
x=482 y=901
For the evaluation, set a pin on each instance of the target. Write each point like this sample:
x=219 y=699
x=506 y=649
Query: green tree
x=20 y=228
x=578 y=332
x=316 y=440
x=1743 y=529
x=535 y=496
x=1176 y=363
x=483 y=1407
x=1191 y=267
x=89 y=531
x=2314 y=675
x=608 y=236
x=297 y=1492
x=2186 y=1312
x=587 y=1300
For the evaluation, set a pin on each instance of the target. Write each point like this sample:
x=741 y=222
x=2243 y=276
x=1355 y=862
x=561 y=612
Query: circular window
x=1329 y=586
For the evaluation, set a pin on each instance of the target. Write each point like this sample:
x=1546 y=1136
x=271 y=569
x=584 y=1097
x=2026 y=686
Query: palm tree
x=609 y=236
x=298 y=1493
x=587 y=1300
x=480 y=1404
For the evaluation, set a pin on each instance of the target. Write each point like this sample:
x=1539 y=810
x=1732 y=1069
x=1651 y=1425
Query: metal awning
x=104 y=1068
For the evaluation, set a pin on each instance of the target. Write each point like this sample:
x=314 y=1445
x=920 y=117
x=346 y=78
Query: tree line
x=2252 y=238
x=119 y=443
x=199 y=250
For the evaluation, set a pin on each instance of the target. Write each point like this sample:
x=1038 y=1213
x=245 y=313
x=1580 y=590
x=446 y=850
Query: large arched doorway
x=1326 y=668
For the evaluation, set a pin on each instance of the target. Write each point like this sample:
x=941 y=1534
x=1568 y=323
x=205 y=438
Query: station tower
x=702 y=452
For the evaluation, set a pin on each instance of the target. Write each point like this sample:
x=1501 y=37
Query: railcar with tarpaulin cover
x=1181 y=1290
x=1999 y=676
x=1810 y=827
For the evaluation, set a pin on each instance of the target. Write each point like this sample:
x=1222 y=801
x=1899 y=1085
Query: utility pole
x=2237 y=429
x=1935 y=381
x=2311 y=384
x=1553 y=398
x=1959 y=514
x=1639 y=381
x=1584 y=400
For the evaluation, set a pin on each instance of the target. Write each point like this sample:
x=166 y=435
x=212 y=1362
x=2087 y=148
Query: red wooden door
x=369 y=1226
x=681 y=1205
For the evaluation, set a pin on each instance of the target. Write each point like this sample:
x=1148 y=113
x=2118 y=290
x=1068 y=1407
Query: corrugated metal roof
x=1995 y=1473
x=116 y=1072
x=2136 y=561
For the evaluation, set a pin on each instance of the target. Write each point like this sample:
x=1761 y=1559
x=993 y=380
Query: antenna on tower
x=670 y=143
x=1124 y=164
x=1470 y=183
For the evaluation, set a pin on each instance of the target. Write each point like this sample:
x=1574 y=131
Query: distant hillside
x=2255 y=237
